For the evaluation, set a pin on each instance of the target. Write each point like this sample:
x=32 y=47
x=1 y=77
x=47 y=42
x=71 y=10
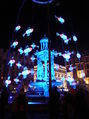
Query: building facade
x=82 y=67
x=60 y=72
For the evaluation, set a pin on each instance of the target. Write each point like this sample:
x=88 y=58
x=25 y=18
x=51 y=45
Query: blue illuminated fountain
x=43 y=67
x=43 y=61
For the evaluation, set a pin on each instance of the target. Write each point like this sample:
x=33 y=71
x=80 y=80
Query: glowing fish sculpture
x=16 y=80
x=8 y=77
x=67 y=40
x=75 y=38
x=11 y=62
x=7 y=82
x=60 y=19
x=78 y=55
x=28 y=32
x=17 y=28
x=18 y=65
x=71 y=68
x=25 y=72
x=34 y=46
x=60 y=54
x=14 y=44
x=67 y=55
x=64 y=38
x=20 y=51
x=27 y=50
x=32 y=58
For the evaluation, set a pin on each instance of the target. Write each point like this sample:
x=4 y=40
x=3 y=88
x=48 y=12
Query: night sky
x=75 y=13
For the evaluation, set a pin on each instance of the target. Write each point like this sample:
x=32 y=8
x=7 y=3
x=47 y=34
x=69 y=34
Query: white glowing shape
x=18 y=65
x=78 y=55
x=11 y=62
x=33 y=45
x=14 y=44
x=63 y=36
x=28 y=32
x=27 y=50
x=60 y=54
x=17 y=28
x=11 y=97
x=25 y=72
x=8 y=77
x=67 y=40
x=20 y=51
x=7 y=82
x=66 y=56
x=71 y=68
x=60 y=19
x=57 y=34
x=32 y=58
x=74 y=38
x=16 y=80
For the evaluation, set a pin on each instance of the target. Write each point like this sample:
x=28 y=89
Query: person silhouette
x=4 y=101
x=54 y=103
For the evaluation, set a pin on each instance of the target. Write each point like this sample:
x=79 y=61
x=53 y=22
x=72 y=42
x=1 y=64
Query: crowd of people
x=73 y=104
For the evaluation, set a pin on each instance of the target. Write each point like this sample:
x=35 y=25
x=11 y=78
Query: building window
x=68 y=69
x=80 y=67
x=81 y=59
x=76 y=60
x=87 y=59
x=59 y=75
x=87 y=66
x=87 y=74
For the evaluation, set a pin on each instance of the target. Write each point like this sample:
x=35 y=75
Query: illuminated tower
x=42 y=61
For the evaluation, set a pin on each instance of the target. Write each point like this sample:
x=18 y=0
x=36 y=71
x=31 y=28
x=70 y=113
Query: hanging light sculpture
x=42 y=1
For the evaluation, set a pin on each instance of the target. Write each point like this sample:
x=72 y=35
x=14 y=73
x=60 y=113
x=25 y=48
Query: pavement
x=34 y=111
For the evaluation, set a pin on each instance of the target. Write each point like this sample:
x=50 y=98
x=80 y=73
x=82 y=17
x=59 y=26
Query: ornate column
x=45 y=70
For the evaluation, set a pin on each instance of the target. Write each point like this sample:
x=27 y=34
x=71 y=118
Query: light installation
x=42 y=1
x=17 y=28
x=42 y=58
x=14 y=44
x=24 y=73
x=60 y=19
x=28 y=32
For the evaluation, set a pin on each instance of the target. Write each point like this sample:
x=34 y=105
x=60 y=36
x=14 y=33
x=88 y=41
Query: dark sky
x=75 y=13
